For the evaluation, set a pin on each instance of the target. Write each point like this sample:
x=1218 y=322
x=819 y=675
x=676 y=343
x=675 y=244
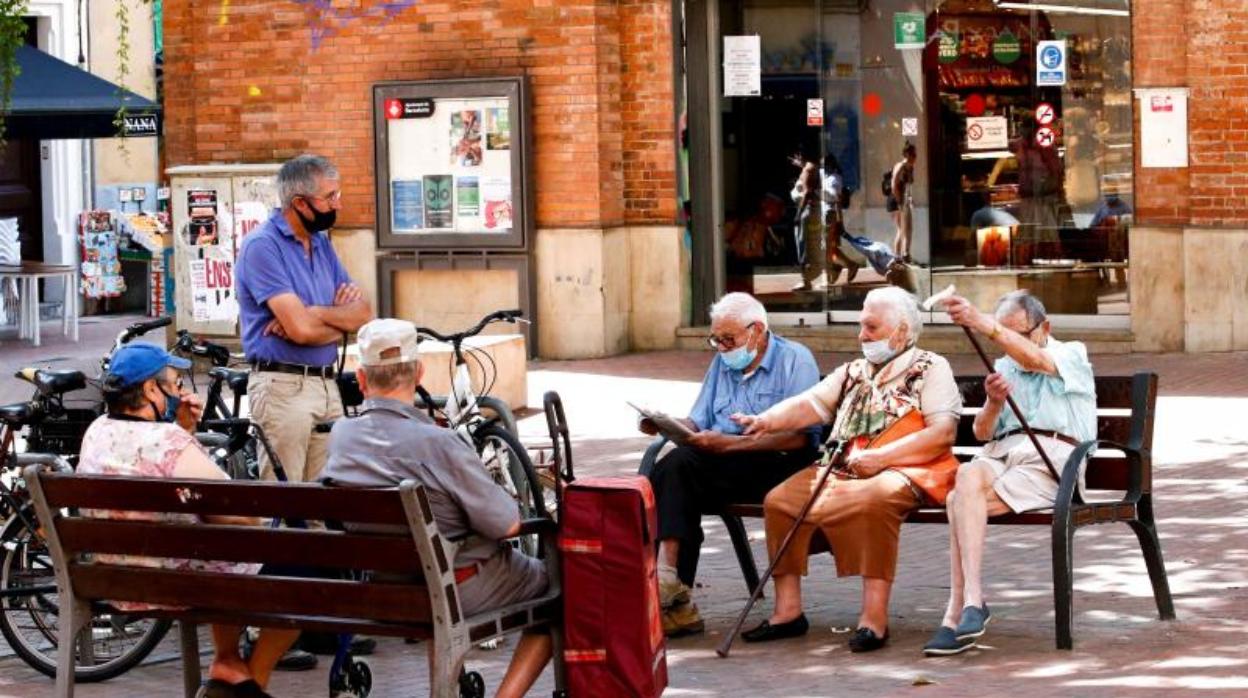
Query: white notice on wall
x=743 y=60
x=212 y=290
x=987 y=133
x=1163 y=127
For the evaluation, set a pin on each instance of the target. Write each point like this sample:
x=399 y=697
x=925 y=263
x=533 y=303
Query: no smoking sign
x=1045 y=137
x=1045 y=114
x=974 y=132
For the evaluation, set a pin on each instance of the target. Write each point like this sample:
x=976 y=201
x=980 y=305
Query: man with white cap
x=392 y=441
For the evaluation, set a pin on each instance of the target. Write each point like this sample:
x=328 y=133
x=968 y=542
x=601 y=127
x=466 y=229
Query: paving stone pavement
x=1201 y=459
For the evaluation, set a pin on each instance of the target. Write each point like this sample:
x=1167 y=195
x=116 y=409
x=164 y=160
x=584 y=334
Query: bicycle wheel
x=29 y=621
x=509 y=464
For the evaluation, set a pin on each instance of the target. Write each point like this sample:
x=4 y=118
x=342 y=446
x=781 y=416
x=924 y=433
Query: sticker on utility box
x=987 y=133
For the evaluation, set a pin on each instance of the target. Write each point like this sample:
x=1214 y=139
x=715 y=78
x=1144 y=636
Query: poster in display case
x=452 y=164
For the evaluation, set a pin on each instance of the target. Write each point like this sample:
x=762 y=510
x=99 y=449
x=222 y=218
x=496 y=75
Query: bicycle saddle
x=51 y=382
x=16 y=414
x=237 y=380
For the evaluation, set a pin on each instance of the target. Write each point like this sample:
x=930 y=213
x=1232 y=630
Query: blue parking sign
x=1051 y=63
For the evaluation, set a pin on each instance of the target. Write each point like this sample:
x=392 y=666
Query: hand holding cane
x=945 y=295
x=829 y=461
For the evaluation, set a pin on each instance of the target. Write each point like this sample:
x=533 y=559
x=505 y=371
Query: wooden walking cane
x=1009 y=399
x=829 y=460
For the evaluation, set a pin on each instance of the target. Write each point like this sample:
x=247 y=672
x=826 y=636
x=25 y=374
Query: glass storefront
x=982 y=143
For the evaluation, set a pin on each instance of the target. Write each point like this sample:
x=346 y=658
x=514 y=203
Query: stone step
x=942 y=339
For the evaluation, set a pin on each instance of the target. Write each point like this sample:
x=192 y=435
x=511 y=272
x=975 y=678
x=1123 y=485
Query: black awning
x=53 y=99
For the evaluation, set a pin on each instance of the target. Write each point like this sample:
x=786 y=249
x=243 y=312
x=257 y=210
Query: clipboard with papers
x=668 y=426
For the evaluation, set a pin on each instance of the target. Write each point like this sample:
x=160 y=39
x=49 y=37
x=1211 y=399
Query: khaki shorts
x=1021 y=479
x=288 y=407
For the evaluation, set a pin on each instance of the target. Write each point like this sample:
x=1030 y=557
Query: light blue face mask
x=737 y=359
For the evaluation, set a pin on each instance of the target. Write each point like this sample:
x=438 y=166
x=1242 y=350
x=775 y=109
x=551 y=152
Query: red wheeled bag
x=613 y=635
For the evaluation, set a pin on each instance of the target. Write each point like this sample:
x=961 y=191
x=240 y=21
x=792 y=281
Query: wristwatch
x=996 y=330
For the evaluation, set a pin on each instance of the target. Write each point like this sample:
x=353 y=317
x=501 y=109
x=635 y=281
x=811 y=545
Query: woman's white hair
x=901 y=306
x=741 y=307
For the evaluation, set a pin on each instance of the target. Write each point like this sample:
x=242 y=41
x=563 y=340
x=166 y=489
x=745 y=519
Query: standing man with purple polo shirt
x=296 y=302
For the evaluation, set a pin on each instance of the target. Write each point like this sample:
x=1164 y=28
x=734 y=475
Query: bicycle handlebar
x=458 y=337
x=218 y=354
x=142 y=328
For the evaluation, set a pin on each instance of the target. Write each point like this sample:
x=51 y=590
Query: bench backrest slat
x=331 y=549
x=225 y=498
x=1112 y=392
x=397 y=603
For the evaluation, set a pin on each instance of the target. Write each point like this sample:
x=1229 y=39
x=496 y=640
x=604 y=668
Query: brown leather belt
x=1042 y=432
x=463 y=574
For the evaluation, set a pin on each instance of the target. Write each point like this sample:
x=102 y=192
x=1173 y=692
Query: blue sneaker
x=973 y=622
x=945 y=642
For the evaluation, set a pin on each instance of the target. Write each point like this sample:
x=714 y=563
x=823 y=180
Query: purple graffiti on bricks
x=330 y=19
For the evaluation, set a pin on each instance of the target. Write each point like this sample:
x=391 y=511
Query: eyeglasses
x=720 y=342
x=333 y=197
x=177 y=385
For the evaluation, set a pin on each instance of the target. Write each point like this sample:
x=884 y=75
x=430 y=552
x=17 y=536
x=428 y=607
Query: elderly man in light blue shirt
x=1052 y=384
x=753 y=369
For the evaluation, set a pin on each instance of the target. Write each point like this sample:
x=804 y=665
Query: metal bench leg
x=188 y=638
x=1146 y=530
x=741 y=546
x=1063 y=581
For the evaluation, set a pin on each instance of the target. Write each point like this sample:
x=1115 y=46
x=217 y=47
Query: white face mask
x=878 y=352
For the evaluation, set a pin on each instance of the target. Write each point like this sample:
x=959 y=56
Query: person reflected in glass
x=1040 y=191
x=901 y=202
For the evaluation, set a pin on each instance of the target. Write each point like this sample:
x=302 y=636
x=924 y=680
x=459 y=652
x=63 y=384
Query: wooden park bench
x=1122 y=471
x=402 y=541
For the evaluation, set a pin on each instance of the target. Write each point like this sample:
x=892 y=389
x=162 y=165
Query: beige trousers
x=288 y=407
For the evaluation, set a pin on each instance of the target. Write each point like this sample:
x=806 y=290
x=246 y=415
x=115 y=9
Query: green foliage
x=12 y=36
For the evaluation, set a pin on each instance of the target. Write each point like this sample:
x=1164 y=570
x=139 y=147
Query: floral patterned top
x=142 y=449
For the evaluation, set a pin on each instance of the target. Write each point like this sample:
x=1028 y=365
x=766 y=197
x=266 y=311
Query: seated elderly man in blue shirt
x=1052 y=384
x=753 y=369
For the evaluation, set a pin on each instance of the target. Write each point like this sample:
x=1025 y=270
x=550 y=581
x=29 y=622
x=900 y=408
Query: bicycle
x=29 y=612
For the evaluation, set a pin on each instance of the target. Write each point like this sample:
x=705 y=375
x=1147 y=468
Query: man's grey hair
x=741 y=307
x=301 y=175
x=390 y=376
x=901 y=306
x=1022 y=300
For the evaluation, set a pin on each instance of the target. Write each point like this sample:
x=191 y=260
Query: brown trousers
x=861 y=520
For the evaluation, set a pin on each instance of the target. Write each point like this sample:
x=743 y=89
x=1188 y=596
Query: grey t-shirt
x=390 y=442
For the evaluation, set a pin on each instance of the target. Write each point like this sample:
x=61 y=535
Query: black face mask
x=320 y=220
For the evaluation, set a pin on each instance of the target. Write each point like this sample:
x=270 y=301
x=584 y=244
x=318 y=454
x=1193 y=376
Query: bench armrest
x=1068 y=492
x=540 y=525
x=651 y=456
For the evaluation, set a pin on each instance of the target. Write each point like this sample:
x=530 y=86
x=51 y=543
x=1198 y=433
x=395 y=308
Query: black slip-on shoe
x=766 y=632
x=296 y=660
x=945 y=642
x=865 y=640
x=216 y=688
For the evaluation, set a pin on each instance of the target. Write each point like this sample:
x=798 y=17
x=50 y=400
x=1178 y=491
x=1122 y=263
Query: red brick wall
x=263 y=80
x=1201 y=45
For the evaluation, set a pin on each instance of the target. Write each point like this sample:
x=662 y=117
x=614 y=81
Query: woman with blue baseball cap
x=148 y=432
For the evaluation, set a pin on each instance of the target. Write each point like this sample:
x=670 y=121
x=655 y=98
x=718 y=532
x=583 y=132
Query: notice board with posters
x=452 y=164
